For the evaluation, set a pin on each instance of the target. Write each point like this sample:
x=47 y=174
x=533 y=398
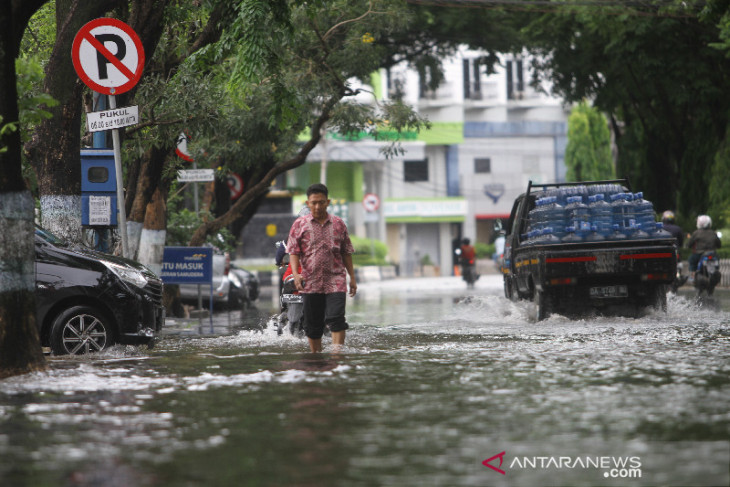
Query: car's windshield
x=48 y=236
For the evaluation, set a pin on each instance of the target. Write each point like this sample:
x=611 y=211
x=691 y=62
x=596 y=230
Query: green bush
x=368 y=252
x=484 y=251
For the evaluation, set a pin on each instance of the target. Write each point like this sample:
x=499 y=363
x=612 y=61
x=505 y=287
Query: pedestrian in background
x=321 y=244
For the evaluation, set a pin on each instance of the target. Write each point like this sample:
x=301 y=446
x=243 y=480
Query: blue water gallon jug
x=578 y=215
x=536 y=216
x=638 y=233
x=623 y=212
x=555 y=216
x=617 y=234
x=594 y=236
x=659 y=231
x=601 y=214
x=571 y=236
x=548 y=237
x=644 y=212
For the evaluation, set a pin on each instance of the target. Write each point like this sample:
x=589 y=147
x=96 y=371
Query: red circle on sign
x=81 y=64
x=371 y=202
x=182 y=148
x=235 y=184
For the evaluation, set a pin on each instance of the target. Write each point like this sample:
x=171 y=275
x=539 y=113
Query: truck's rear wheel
x=509 y=291
x=660 y=298
x=543 y=305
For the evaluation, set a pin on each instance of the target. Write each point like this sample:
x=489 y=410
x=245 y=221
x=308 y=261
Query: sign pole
x=120 y=183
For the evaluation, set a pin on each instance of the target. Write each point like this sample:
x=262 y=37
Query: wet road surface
x=433 y=381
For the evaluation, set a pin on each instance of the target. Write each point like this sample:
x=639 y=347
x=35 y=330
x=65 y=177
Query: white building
x=490 y=136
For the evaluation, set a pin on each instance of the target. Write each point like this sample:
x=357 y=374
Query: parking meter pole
x=120 y=183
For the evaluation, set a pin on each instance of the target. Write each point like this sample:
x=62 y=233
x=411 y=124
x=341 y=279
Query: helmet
x=668 y=216
x=704 y=221
x=465 y=241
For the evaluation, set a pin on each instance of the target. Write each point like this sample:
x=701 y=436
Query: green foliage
x=364 y=248
x=719 y=190
x=39 y=37
x=32 y=102
x=181 y=224
x=656 y=77
x=483 y=250
x=588 y=153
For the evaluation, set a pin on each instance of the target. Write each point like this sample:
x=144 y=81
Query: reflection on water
x=432 y=381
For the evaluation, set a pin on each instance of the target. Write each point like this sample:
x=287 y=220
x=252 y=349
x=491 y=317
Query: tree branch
x=263 y=185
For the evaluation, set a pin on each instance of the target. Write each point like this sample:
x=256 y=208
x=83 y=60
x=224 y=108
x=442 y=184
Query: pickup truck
x=621 y=277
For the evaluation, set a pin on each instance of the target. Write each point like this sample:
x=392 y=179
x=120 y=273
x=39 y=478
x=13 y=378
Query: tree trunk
x=145 y=184
x=20 y=350
x=152 y=239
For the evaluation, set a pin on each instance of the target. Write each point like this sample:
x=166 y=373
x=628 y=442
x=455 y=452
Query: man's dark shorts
x=321 y=310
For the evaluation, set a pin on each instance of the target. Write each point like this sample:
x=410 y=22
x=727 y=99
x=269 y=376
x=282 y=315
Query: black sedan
x=87 y=301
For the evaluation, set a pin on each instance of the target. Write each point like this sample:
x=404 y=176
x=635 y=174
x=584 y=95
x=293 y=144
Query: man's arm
x=294 y=264
x=347 y=259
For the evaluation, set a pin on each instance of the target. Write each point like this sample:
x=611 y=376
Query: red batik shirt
x=321 y=248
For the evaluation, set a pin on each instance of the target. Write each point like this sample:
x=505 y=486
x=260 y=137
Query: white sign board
x=195 y=175
x=100 y=210
x=112 y=119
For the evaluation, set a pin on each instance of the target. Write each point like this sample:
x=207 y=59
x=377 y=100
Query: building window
x=415 y=171
x=515 y=79
x=472 y=82
x=482 y=165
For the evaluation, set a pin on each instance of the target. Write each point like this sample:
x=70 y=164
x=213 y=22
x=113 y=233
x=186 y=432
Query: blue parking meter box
x=98 y=188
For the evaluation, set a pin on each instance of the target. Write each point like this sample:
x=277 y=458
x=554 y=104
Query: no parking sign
x=102 y=70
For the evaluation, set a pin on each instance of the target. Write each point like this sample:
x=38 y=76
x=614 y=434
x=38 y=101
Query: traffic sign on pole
x=108 y=56
x=371 y=202
x=182 y=147
x=235 y=184
x=110 y=73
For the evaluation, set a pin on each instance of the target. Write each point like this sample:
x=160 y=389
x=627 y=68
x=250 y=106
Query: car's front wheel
x=81 y=330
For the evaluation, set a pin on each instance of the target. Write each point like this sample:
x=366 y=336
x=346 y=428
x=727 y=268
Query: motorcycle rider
x=673 y=228
x=702 y=240
x=467 y=258
x=678 y=234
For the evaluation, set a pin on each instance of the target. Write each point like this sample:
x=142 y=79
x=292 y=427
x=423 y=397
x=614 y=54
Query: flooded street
x=434 y=380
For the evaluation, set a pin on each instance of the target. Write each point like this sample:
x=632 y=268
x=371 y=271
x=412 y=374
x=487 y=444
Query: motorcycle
x=468 y=269
x=291 y=304
x=708 y=273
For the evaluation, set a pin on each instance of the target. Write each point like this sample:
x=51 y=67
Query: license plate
x=609 y=292
x=292 y=298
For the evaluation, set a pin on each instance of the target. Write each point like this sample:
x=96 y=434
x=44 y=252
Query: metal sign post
x=120 y=186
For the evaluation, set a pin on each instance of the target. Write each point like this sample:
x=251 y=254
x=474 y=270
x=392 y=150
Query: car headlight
x=126 y=274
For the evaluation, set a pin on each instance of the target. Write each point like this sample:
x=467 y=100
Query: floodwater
x=437 y=386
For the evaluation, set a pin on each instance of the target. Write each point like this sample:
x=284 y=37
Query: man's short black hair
x=317 y=188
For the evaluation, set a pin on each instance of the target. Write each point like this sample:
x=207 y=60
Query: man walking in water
x=321 y=244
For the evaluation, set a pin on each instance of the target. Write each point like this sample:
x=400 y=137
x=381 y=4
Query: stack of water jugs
x=590 y=214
